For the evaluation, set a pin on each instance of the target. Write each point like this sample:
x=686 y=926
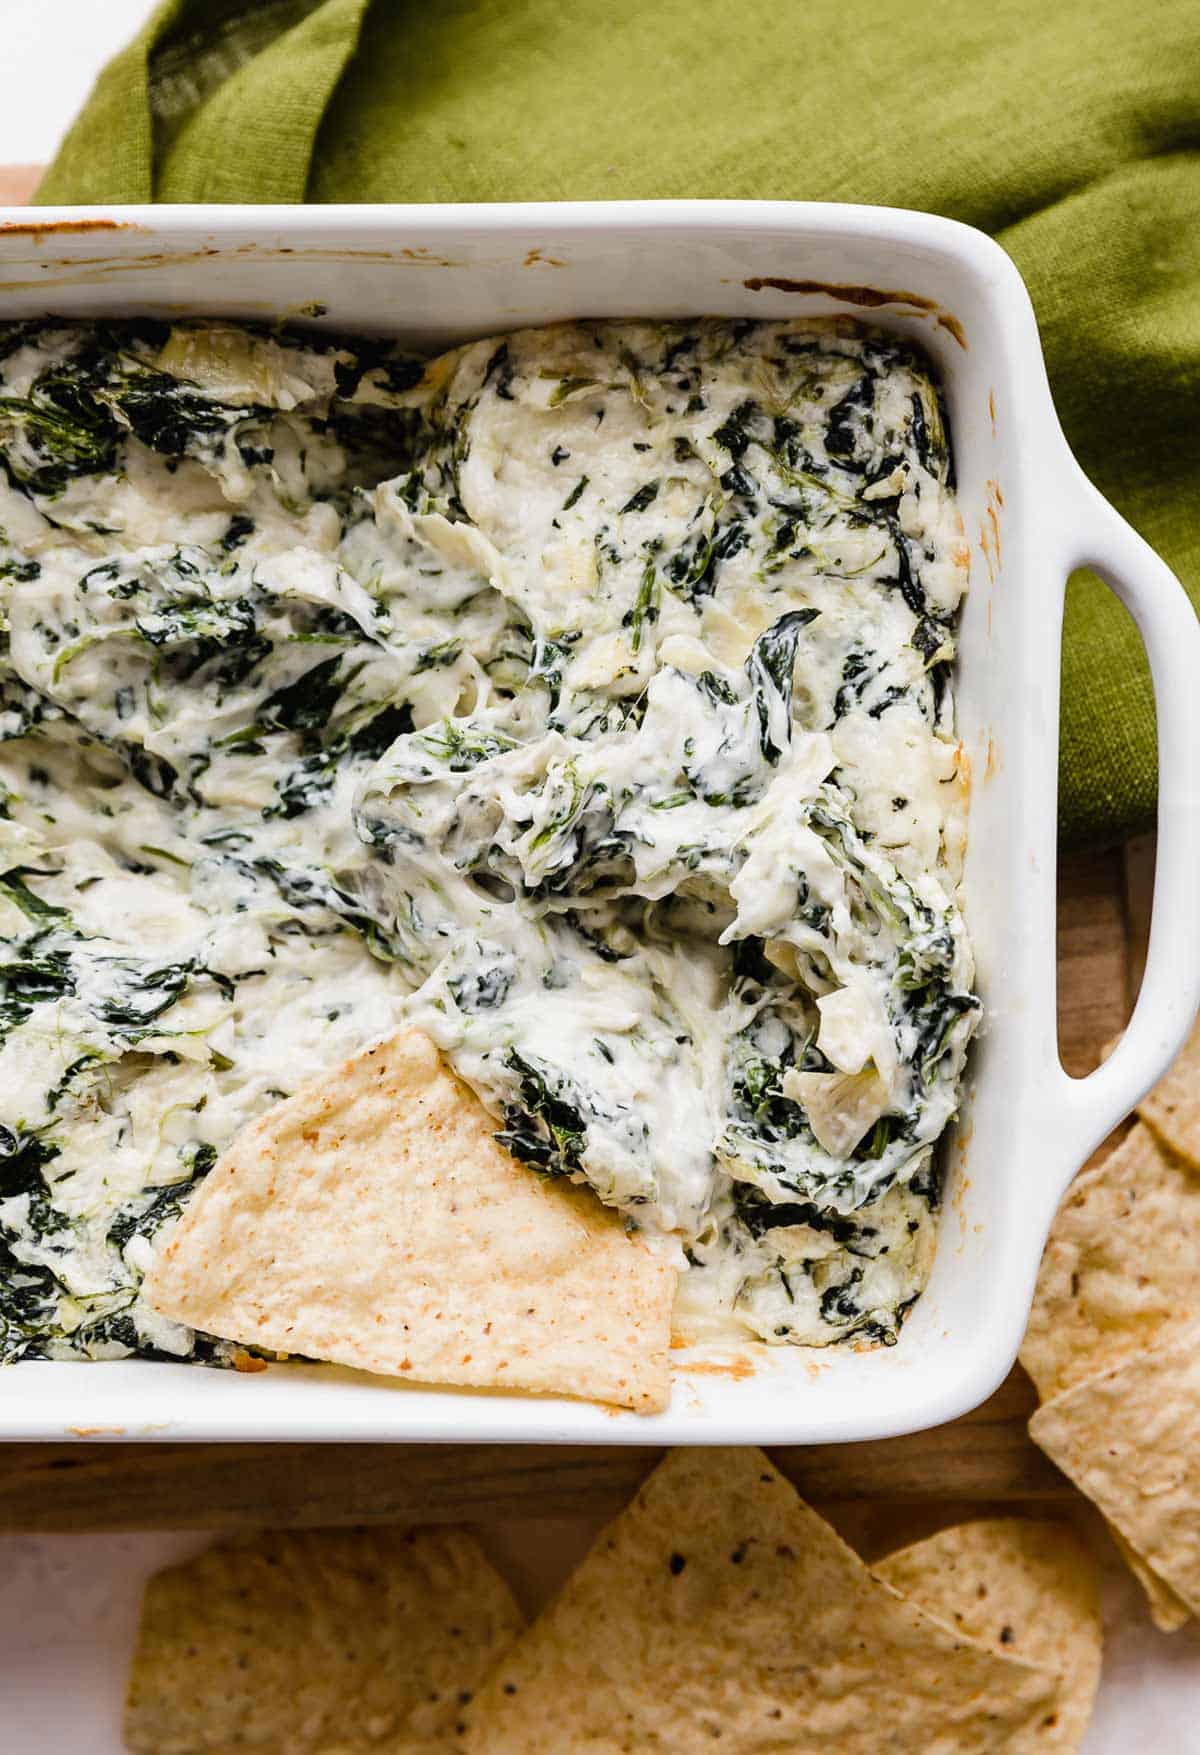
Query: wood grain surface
x=17 y=184
x=987 y=1455
x=231 y=1486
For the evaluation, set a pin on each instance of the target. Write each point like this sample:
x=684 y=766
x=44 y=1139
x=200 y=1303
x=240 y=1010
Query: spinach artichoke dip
x=582 y=697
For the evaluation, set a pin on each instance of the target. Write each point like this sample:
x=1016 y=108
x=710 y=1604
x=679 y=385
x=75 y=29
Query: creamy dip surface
x=582 y=696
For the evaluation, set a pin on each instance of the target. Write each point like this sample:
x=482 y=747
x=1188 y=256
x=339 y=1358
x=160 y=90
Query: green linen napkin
x=1069 y=129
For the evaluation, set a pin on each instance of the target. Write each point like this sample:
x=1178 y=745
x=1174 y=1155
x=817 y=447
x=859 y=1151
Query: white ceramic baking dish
x=436 y=275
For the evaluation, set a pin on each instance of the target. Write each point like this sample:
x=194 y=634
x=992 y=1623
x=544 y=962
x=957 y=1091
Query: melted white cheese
x=582 y=696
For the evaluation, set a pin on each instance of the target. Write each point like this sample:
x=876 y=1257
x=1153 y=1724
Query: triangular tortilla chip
x=1122 y=1261
x=372 y=1219
x=1027 y=1588
x=1173 y=1106
x=319 y=1640
x=719 y=1611
x=1130 y=1440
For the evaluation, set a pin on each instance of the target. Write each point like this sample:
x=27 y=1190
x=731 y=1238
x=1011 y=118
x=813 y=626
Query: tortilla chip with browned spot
x=1130 y=1439
x=719 y=1610
x=1121 y=1264
x=1121 y=1271
x=1026 y=1587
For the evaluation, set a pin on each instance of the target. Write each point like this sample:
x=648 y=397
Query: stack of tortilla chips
x=1113 y=1343
x=717 y=1608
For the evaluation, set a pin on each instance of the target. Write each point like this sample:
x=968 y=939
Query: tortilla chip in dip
x=719 y=1611
x=1173 y=1107
x=1129 y=1438
x=1121 y=1263
x=1028 y=1588
x=372 y=1219
x=318 y=1640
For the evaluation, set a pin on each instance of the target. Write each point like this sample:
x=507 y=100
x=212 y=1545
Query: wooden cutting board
x=987 y=1455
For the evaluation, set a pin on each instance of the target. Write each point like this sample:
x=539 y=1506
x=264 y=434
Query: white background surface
x=68 y=1604
x=50 y=52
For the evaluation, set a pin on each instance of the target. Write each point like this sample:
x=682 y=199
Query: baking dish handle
x=1170 y=990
